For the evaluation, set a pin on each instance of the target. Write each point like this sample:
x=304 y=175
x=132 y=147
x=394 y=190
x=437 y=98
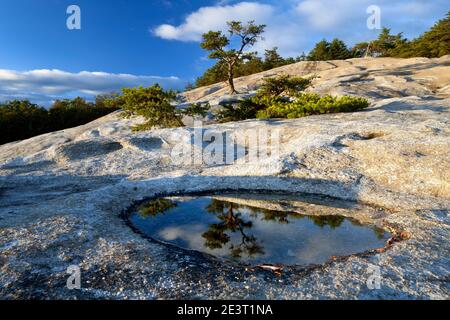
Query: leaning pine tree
x=217 y=43
x=153 y=103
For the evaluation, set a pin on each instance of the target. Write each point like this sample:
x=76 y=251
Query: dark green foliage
x=339 y=50
x=246 y=109
x=272 y=59
x=320 y=52
x=215 y=74
x=282 y=97
x=253 y=64
x=284 y=84
x=218 y=72
x=387 y=44
x=324 y=50
x=270 y=91
x=196 y=109
x=306 y=104
x=107 y=101
x=432 y=44
x=22 y=120
x=436 y=42
x=359 y=50
x=70 y=113
x=217 y=44
x=153 y=103
x=156 y=106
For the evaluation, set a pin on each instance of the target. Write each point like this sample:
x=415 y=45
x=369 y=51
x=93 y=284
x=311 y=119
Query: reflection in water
x=155 y=207
x=230 y=221
x=254 y=235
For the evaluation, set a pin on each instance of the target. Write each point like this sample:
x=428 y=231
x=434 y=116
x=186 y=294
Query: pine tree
x=324 y=50
x=216 y=42
x=153 y=103
x=272 y=59
x=320 y=52
x=338 y=50
x=433 y=43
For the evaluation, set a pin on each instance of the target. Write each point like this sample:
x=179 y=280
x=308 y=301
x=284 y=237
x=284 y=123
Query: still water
x=253 y=235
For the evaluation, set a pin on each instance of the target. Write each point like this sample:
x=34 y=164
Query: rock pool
x=226 y=227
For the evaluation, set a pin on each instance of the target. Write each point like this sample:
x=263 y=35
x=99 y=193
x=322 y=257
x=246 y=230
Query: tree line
x=21 y=119
x=431 y=44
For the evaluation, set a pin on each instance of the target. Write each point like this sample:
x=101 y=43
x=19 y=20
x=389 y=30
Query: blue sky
x=127 y=43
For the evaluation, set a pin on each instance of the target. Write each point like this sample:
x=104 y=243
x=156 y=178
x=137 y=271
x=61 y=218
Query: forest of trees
x=21 y=119
x=431 y=44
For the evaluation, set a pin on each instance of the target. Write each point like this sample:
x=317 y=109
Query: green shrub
x=301 y=105
x=153 y=103
x=196 y=109
x=246 y=109
x=306 y=104
x=283 y=84
x=269 y=94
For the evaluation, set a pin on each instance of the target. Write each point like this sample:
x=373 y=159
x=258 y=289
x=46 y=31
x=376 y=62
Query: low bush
x=196 y=109
x=283 y=84
x=282 y=97
x=153 y=103
x=306 y=104
x=156 y=105
x=270 y=92
x=246 y=109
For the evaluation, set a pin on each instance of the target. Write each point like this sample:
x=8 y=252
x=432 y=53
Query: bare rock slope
x=373 y=78
x=62 y=194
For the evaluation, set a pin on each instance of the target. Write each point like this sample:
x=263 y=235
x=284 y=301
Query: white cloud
x=214 y=18
x=296 y=25
x=326 y=14
x=44 y=86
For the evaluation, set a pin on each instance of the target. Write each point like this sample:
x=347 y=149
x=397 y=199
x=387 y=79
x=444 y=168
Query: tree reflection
x=331 y=221
x=270 y=215
x=230 y=221
x=154 y=207
x=282 y=217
